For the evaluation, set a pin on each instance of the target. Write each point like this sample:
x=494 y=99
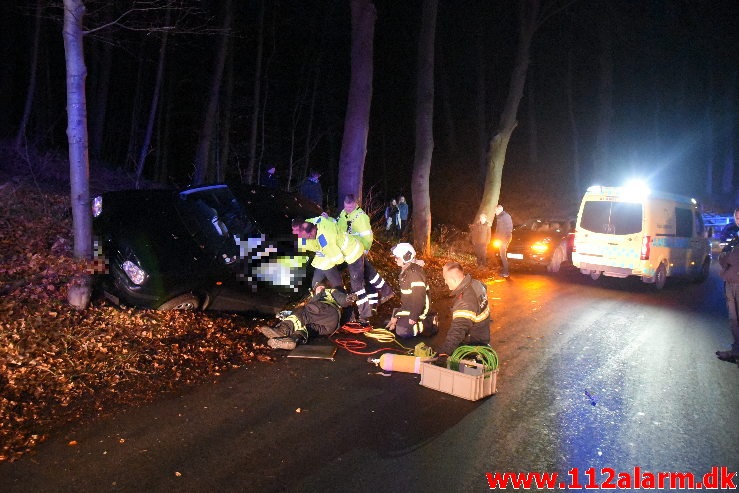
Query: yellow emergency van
x=625 y=231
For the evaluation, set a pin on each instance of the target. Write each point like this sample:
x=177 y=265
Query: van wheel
x=594 y=275
x=182 y=302
x=660 y=277
x=705 y=269
x=556 y=262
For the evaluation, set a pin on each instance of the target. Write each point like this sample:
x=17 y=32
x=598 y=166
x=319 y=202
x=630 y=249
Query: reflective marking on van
x=671 y=242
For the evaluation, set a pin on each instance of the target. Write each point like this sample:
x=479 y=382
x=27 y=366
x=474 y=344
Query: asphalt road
x=663 y=402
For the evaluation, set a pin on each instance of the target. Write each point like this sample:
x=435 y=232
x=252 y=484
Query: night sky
x=674 y=96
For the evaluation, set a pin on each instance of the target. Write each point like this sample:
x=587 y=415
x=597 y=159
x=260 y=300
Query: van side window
x=619 y=218
x=700 y=227
x=683 y=222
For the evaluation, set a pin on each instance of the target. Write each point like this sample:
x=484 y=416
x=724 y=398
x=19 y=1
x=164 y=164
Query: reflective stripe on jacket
x=328 y=252
x=357 y=224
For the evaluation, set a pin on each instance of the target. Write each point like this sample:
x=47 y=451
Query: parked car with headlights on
x=213 y=247
x=541 y=241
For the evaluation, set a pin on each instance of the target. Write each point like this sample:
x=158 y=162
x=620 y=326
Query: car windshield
x=547 y=225
x=217 y=209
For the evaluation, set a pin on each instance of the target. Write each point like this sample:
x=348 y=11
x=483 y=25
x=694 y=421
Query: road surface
x=602 y=374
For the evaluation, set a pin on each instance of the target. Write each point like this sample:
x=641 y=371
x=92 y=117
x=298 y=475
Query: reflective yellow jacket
x=357 y=224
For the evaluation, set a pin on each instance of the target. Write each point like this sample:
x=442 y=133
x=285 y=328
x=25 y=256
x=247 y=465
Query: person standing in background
x=504 y=234
x=311 y=189
x=403 y=214
x=480 y=232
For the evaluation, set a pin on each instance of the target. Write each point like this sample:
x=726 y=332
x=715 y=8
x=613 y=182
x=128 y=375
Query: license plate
x=518 y=256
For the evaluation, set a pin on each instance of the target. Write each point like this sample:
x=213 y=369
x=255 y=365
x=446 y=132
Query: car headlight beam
x=136 y=274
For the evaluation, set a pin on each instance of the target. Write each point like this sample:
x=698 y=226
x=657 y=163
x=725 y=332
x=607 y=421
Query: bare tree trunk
x=481 y=113
x=528 y=18
x=356 y=122
x=573 y=127
x=424 y=129
x=227 y=106
x=730 y=118
x=154 y=102
x=605 y=102
x=100 y=103
x=21 y=136
x=256 y=103
x=79 y=163
x=206 y=134
x=533 y=134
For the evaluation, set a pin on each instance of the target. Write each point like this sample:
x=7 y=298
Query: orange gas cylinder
x=400 y=362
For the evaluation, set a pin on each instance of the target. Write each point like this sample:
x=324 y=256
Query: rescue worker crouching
x=333 y=247
x=320 y=316
x=470 y=311
x=413 y=318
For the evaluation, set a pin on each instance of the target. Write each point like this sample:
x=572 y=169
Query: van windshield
x=615 y=218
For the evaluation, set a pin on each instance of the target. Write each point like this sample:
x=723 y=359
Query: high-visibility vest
x=357 y=223
x=350 y=247
x=326 y=244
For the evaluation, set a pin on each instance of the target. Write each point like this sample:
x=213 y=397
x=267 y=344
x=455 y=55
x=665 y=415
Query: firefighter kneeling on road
x=413 y=317
x=470 y=310
x=321 y=316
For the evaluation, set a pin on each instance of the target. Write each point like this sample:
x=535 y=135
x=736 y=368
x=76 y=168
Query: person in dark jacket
x=480 y=236
x=504 y=234
x=730 y=234
x=729 y=262
x=269 y=178
x=470 y=311
x=311 y=188
x=321 y=316
x=413 y=317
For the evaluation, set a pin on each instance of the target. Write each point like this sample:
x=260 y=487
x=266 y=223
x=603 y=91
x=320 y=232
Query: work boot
x=729 y=356
x=271 y=332
x=287 y=343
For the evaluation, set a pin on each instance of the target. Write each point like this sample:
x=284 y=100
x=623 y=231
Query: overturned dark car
x=216 y=247
x=542 y=242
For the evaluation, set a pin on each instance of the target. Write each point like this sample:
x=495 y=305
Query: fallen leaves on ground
x=58 y=364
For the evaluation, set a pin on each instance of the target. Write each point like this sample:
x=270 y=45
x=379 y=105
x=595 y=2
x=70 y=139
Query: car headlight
x=540 y=246
x=136 y=274
x=97 y=206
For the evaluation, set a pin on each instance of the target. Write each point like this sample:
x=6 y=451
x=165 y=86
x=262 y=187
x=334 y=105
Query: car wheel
x=660 y=277
x=705 y=269
x=594 y=275
x=556 y=262
x=182 y=302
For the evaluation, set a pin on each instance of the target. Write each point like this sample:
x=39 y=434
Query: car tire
x=705 y=270
x=660 y=277
x=182 y=302
x=556 y=261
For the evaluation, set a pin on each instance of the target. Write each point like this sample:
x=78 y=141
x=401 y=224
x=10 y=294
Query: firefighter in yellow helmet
x=354 y=221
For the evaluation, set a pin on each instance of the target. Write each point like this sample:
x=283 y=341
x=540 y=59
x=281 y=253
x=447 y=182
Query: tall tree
x=424 y=129
x=144 y=151
x=356 y=122
x=256 y=104
x=202 y=155
x=79 y=161
x=531 y=16
x=605 y=99
x=21 y=135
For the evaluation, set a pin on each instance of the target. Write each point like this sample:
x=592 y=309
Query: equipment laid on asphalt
x=468 y=378
x=314 y=351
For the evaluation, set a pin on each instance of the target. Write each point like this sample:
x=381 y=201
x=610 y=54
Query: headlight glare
x=540 y=247
x=136 y=274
